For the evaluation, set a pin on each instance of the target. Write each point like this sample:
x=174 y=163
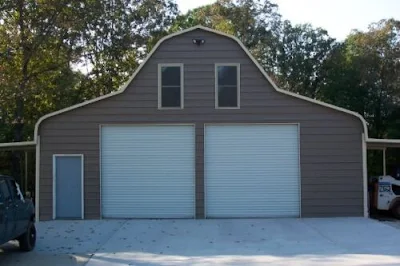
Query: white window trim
x=160 y=87
x=81 y=156
x=237 y=65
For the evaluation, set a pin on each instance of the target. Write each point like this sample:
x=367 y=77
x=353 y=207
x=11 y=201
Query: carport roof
x=381 y=144
x=14 y=146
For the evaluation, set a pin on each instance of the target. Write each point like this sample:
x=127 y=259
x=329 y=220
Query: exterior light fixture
x=199 y=41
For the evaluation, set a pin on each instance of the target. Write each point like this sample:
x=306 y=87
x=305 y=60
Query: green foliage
x=292 y=55
x=302 y=51
x=114 y=41
x=255 y=23
x=363 y=74
x=39 y=45
x=43 y=43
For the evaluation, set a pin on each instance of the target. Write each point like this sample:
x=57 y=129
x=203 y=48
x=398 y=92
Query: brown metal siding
x=330 y=146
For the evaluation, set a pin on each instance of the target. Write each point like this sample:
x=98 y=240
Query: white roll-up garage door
x=147 y=171
x=252 y=171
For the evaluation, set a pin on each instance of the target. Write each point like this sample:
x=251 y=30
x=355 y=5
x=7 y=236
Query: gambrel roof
x=123 y=88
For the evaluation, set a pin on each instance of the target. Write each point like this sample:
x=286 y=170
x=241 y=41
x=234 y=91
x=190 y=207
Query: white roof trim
x=382 y=144
x=17 y=144
x=384 y=141
x=123 y=88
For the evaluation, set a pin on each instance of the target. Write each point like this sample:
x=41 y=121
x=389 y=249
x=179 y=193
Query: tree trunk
x=19 y=94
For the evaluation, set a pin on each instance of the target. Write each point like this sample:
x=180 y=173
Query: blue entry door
x=68 y=189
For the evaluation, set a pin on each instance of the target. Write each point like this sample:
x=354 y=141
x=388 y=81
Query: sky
x=339 y=17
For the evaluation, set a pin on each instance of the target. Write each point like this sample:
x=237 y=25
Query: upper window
x=170 y=86
x=227 y=85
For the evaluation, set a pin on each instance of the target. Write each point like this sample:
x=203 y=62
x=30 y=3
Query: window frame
x=159 y=73
x=237 y=65
x=7 y=187
x=12 y=186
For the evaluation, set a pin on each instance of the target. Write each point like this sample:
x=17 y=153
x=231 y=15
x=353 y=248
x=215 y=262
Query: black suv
x=17 y=215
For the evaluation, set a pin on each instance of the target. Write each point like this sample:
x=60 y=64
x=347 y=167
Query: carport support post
x=384 y=161
x=26 y=172
x=365 y=177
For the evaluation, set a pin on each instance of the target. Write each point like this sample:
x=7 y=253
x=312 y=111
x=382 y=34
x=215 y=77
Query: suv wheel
x=396 y=210
x=28 y=239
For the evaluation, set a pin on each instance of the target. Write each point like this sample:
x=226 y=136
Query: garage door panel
x=252 y=171
x=288 y=168
x=148 y=171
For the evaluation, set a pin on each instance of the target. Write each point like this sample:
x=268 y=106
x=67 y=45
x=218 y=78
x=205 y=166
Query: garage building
x=201 y=131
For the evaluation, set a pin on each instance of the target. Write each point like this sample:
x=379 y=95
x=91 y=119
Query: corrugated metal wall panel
x=335 y=146
x=148 y=171
x=252 y=171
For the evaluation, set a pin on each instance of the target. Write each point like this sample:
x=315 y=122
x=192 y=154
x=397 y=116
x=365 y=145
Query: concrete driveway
x=339 y=241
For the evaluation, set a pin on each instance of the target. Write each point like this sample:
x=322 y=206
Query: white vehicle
x=388 y=194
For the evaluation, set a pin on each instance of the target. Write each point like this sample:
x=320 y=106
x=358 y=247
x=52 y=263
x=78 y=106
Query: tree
x=43 y=41
x=35 y=40
x=301 y=55
x=292 y=55
x=255 y=23
x=115 y=40
x=364 y=75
